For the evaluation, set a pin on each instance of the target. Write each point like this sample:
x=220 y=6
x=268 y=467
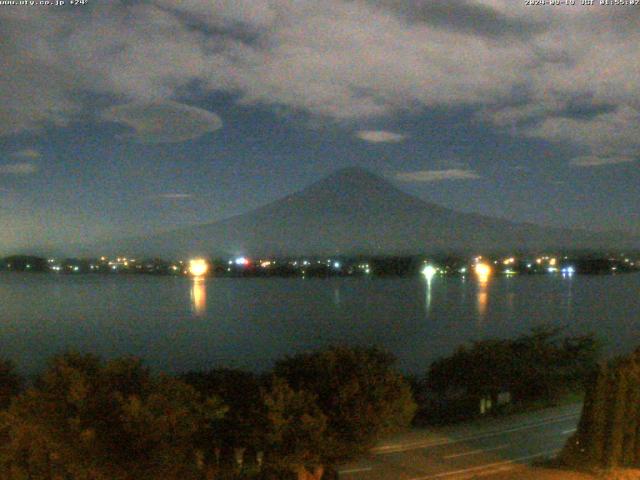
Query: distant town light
x=483 y=271
x=242 y=261
x=336 y=265
x=429 y=271
x=198 y=267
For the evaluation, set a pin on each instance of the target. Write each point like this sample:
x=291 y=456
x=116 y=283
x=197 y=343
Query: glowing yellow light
x=198 y=267
x=483 y=300
x=553 y=262
x=199 y=296
x=509 y=261
x=483 y=271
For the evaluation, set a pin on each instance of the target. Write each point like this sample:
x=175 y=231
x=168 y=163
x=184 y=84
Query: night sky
x=118 y=118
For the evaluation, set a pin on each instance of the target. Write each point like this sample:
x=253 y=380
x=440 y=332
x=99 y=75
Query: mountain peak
x=352 y=181
x=354 y=173
x=355 y=211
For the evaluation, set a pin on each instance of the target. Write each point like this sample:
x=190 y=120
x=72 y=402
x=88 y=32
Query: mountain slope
x=354 y=211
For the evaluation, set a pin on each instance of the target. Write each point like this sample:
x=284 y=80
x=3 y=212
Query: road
x=473 y=450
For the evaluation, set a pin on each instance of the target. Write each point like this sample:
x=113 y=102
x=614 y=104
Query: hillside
x=355 y=211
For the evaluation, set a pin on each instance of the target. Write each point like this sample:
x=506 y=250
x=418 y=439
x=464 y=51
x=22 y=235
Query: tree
x=10 y=383
x=244 y=423
x=296 y=432
x=537 y=366
x=87 y=419
x=359 y=392
x=608 y=433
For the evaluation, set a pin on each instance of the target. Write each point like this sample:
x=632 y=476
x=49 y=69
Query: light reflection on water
x=482 y=297
x=427 y=305
x=198 y=296
x=182 y=323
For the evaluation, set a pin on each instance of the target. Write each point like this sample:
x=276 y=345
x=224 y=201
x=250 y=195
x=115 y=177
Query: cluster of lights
x=242 y=261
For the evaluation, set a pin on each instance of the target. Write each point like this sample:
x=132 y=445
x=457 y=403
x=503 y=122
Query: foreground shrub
x=86 y=419
x=537 y=367
x=358 y=390
x=10 y=383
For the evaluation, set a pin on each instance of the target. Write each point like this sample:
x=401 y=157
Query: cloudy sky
x=120 y=117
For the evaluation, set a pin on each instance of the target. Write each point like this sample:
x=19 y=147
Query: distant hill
x=356 y=212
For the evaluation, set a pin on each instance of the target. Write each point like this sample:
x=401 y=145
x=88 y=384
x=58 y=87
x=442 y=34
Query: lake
x=177 y=323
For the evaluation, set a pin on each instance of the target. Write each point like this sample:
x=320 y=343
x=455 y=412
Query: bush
x=358 y=390
x=88 y=419
x=537 y=367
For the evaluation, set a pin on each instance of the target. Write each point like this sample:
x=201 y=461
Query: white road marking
x=567 y=432
x=355 y=470
x=396 y=448
x=484 y=467
x=475 y=452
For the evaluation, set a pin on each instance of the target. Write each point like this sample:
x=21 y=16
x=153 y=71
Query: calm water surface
x=177 y=324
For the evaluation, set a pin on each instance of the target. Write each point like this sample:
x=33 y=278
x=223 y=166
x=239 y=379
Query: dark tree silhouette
x=608 y=433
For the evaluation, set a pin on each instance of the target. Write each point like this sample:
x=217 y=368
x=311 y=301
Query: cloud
x=29 y=153
x=174 y=196
x=466 y=16
x=437 y=175
x=594 y=161
x=380 y=136
x=163 y=122
x=22 y=168
x=529 y=72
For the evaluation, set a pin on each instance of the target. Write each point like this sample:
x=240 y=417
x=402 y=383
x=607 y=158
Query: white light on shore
x=429 y=271
x=242 y=261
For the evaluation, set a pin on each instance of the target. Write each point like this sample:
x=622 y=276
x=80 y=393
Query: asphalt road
x=472 y=450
